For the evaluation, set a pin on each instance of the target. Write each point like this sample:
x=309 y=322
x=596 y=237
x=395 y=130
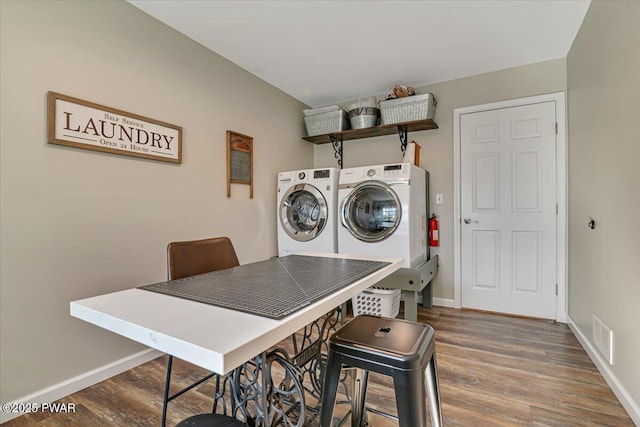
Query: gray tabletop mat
x=274 y=288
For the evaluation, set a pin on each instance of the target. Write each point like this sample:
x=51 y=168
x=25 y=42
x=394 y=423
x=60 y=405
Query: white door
x=508 y=210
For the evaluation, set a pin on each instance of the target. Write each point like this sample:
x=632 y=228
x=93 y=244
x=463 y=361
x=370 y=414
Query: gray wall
x=603 y=73
x=77 y=223
x=436 y=154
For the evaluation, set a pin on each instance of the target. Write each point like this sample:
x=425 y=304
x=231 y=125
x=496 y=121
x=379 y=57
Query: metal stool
x=210 y=420
x=398 y=348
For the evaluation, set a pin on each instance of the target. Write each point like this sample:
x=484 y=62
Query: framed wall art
x=76 y=123
x=239 y=161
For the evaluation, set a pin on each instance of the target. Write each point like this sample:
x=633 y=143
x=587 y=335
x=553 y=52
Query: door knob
x=469 y=221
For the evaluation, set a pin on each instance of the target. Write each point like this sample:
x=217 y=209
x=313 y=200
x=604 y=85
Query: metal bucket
x=364 y=117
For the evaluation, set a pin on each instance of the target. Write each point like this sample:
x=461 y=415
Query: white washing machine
x=383 y=212
x=307 y=211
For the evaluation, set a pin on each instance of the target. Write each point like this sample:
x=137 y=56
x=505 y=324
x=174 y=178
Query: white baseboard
x=442 y=302
x=632 y=407
x=436 y=301
x=82 y=381
x=563 y=318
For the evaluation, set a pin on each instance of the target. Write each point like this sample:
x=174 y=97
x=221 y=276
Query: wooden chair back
x=194 y=257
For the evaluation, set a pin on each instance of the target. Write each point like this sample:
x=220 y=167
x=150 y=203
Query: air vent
x=603 y=338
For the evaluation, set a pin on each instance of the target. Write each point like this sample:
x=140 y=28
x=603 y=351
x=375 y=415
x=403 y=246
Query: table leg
x=249 y=391
x=310 y=350
x=266 y=396
x=285 y=395
x=266 y=383
x=269 y=389
x=410 y=305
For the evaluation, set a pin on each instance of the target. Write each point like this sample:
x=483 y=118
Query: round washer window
x=303 y=212
x=372 y=211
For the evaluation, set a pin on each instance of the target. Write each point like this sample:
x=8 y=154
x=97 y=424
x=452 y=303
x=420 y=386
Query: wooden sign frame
x=76 y=123
x=239 y=161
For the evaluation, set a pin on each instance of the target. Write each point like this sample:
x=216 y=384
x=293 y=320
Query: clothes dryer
x=307 y=211
x=383 y=212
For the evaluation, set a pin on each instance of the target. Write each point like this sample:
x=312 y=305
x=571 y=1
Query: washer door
x=372 y=211
x=303 y=212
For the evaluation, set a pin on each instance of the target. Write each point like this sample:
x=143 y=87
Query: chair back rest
x=199 y=256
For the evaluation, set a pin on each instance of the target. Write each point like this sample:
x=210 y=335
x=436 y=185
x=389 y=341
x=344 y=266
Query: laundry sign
x=82 y=124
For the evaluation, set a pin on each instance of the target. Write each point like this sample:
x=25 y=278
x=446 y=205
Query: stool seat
x=398 y=348
x=210 y=420
x=394 y=342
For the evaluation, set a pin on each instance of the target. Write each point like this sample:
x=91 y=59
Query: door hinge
x=556 y=128
x=556 y=289
x=556 y=209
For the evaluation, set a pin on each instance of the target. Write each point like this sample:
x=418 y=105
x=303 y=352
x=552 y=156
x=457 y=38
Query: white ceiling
x=326 y=52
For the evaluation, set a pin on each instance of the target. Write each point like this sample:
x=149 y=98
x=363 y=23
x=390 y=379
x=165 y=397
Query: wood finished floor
x=494 y=371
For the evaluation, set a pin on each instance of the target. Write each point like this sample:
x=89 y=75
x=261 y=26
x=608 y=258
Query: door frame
x=561 y=191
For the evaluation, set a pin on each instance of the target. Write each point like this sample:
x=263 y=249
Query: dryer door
x=303 y=212
x=372 y=211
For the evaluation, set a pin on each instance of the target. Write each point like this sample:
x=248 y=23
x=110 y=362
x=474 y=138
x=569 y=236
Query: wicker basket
x=324 y=123
x=408 y=109
x=377 y=302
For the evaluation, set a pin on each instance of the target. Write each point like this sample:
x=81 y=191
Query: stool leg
x=409 y=388
x=431 y=383
x=359 y=387
x=330 y=389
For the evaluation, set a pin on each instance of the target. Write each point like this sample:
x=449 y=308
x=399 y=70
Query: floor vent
x=603 y=339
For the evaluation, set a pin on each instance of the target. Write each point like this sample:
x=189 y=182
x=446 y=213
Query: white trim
x=457 y=217
x=443 y=302
x=561 y=160
x=612 y=380
x=82 y=381
x=562 y=230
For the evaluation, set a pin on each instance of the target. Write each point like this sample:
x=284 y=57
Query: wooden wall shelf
x=382 y=130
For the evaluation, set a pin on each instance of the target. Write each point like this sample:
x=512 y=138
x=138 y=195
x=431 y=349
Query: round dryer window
x=303 y=212
x=372 y=211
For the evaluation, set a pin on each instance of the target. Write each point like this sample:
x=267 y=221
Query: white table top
x=212 y=337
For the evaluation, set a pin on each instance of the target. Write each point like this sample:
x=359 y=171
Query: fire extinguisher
x=434 y=238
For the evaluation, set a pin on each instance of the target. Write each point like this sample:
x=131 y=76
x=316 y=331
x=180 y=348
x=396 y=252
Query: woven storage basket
x=324 y=123
x=377 y=302
x=408 y=109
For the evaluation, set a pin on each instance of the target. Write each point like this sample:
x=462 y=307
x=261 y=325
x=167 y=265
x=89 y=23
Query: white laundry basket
x=377 y=302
